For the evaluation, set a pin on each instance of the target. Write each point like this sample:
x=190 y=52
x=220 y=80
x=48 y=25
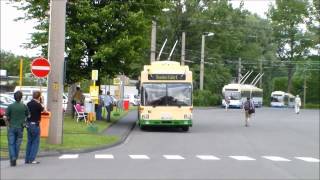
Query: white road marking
x=276 y=158
x=40 y=67
x=308 y=159
x=207 y=157
x=103 y=156
x=69 y=156
x=139 y=157
x=243 y=158
x=173 y=157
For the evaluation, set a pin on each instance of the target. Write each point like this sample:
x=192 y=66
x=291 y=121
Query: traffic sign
x=40 y=67
x=94 y=75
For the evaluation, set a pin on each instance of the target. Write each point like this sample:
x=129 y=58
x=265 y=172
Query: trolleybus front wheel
x=185 y=128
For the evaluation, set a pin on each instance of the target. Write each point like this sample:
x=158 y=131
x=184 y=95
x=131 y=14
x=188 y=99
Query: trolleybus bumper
x=177 y=123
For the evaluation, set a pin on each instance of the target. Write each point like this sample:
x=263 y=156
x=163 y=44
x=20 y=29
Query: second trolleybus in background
x=238 y=94
x=282 y=99
x=166 y=95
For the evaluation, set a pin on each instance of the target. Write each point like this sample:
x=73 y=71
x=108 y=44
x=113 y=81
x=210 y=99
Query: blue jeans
x=108 y=108
x=99 y=112
x=33 y=142
x=14 y=141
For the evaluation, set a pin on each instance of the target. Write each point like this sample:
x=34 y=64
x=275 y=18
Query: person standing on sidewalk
x=77 y=97
x=100 y=105
x=15 y=118
x=35 y=107
x=248 y=109
x=297 y=104
x=108 y=103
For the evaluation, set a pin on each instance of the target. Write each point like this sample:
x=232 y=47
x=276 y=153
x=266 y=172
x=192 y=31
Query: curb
x=56 y=153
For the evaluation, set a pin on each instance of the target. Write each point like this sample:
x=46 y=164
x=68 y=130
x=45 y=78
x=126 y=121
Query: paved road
x=278 y=145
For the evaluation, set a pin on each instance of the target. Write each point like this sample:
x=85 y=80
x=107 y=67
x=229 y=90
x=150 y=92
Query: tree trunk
x=71 y=91
x=290 y=74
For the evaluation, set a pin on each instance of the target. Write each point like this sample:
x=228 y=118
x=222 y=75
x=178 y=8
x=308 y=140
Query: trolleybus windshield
x=167 y=94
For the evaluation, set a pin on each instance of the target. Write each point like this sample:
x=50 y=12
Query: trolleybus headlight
x=187 y=116
x=145 y=116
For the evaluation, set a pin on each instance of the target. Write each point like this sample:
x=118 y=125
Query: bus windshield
x=276 y=98
x=167 y=94
x=233 y=95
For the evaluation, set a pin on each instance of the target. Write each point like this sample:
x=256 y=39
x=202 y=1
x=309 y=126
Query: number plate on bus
x=166 y=116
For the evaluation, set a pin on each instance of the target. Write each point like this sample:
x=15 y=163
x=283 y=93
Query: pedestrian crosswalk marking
x=104 y=156
x=276 y=158
x=201 y=157
x=173 y=157
x=207 y=157
x=308 y=159
x=243 y=158
x=139 y=157
x=69 y=156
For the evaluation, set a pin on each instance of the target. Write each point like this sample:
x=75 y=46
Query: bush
x=205 y=98
x=312 y=106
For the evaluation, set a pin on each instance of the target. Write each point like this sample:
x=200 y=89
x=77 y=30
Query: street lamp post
x=202 y=58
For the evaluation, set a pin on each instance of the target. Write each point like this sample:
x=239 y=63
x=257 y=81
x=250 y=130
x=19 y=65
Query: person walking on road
x=77 y=98
x=15 y=118
x=35 y=107
x=297 y=104
x=227 y=102
x=108 y=103
x=100 y=105
x=249 y=109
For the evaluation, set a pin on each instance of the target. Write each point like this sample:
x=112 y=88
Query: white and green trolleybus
x=166 y=95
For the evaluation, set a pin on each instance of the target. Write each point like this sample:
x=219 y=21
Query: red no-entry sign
x=40 y=67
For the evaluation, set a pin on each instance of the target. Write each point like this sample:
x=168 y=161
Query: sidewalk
x=121 y=128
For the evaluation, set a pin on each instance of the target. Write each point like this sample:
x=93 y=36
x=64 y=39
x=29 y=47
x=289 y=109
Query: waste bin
x=126 y=104
x=44 y=124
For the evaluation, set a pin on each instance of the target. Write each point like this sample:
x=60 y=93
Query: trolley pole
x=56 y=57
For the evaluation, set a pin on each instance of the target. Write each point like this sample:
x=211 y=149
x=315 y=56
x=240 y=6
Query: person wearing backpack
x=248 y=109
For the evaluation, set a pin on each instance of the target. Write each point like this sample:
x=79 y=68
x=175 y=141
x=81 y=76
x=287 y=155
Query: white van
x=28 y=91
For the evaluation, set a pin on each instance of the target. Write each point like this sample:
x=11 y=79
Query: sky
x=15 y=34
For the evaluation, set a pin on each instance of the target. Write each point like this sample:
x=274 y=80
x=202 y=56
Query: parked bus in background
x=166 y=95
x=238 y=93
x=282 y=99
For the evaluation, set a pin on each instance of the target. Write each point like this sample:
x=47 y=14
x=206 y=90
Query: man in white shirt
x=108 y=103
x=297 y=104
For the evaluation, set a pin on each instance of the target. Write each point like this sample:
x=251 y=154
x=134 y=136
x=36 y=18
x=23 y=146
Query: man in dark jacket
x=15 y=117
x=35 y=107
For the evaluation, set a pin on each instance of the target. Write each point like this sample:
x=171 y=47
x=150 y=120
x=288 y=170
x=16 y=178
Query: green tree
x=286 y=17
x=110 y=36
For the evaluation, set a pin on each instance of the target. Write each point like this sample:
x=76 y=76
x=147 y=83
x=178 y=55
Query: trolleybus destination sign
x=166 y=77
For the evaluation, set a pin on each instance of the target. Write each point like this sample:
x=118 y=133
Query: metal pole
x=56 y=57
x=183 y=47
x=239 y=71
x=202 y=62
x=20 y=76
x=165 y=42
x=304 y=90
x=260 y=83
x=153 y=42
